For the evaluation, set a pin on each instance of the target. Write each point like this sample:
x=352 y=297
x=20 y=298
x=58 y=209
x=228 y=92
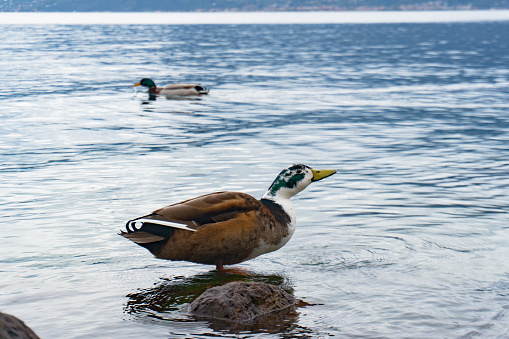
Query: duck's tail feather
x=201 y=89
x=152 y=242
x=147 y=222
x=150 y=233
x=142 y=238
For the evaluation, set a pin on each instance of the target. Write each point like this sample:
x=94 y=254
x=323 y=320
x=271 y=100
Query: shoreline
x=282 y=17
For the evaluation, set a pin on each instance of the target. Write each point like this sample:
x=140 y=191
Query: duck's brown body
x=230 y=227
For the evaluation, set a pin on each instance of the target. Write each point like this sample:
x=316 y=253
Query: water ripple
x=406 y=240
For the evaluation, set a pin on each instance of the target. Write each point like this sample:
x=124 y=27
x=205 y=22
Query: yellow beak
x=320 y=174
x=138 y=84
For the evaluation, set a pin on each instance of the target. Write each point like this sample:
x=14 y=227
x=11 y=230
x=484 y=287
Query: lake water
x=409 y=239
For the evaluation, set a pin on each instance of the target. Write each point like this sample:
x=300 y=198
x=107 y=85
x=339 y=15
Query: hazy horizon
x=311 y=17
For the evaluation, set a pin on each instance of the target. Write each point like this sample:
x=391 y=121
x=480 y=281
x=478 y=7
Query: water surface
x=409 y=239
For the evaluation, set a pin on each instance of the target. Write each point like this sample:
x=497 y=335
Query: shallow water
x=409 y=239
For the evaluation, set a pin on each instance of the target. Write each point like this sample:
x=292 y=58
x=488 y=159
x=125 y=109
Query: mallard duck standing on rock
x=225 y=228
x=173 y=90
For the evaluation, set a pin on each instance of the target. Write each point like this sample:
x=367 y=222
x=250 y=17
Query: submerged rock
x=242 y=302
x=13 y=328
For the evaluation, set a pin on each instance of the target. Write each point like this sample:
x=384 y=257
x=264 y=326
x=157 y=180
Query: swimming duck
x=173 y=90
x=225 y=228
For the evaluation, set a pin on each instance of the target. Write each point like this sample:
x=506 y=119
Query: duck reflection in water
x=169 y=299
x=153 y=97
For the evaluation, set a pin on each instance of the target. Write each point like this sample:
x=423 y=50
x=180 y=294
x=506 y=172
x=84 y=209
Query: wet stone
x=242 y=302
x=11 y=327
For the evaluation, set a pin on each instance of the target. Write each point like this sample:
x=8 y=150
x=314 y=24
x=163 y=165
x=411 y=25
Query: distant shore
x=280 y=17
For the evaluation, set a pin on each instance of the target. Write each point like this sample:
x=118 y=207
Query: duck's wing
x=189 y=215
x=208 y=208
x=180 y=86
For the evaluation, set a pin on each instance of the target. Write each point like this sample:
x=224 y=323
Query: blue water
x=408 y=240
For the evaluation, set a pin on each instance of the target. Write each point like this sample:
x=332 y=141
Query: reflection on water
x=169 y=299
x=284 y=323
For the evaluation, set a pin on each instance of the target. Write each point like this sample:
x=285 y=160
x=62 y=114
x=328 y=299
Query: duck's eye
x=299 y=171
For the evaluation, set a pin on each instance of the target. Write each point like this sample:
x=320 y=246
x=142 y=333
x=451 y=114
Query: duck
x=225 y=228
x=173 y=90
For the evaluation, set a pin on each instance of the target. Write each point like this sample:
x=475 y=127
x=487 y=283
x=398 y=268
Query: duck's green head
x=294 y=179
x=146 y=82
